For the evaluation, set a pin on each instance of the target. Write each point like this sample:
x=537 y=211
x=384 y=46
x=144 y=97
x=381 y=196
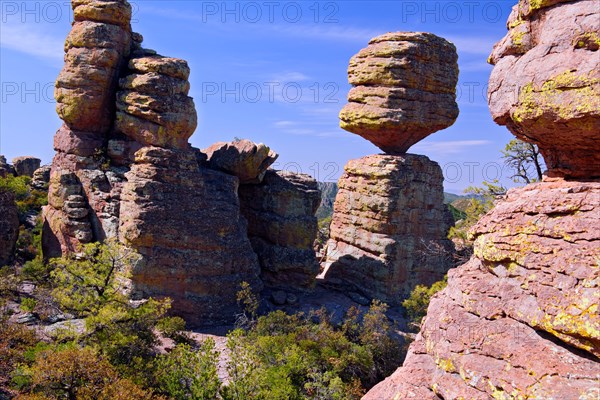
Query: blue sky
x=270 y=71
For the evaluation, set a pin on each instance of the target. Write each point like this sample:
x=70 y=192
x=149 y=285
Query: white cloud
x=285 y=123
x=473 y=45
x=28 y=39
x=289 y=77
x=447 y=147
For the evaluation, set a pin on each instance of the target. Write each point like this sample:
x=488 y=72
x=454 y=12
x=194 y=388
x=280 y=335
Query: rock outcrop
x=520 y=319
x=124 y=169
x=246 y=160
x=405 y=90
x=531 y=289
x=41 y=178
x=282 y=227
x=389 y=226
x=5 y=168
x=9 y=227
x=186 y=224
x=26 y=165
x=545 y=86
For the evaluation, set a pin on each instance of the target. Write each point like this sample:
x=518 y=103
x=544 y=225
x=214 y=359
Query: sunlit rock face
x=404 y=90
x=520 y=319
x=545 y=86
x=389 y=227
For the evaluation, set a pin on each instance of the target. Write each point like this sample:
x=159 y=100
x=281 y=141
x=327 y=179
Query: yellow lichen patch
x=582 y=92
x=445 y=364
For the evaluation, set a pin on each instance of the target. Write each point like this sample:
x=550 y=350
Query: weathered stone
x=114 y=12
x=545 y=86
x=200 y=257
x=245 y=159
x=388 y=231
x=9 y=226
x=41 y=178
x=25 y=165
x=153 y=107
x=85 y=144
x=532 y=289
x=282 y=227
x=405 y=90
x=5 y=168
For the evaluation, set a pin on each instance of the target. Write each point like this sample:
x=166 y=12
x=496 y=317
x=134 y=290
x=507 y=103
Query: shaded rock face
x=5 y=168
x=26 y=165
x=388 y=231
x=245 y=159
x=9 y=227
x=41 y=178
x=531 y=289
x=282 y=227
x=185 y=222
x=405 y=90
x=545 y=86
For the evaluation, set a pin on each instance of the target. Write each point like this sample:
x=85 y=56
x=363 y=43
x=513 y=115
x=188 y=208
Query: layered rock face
x=520 y=319
x=545 y=86
x=9 y=227
x=124 y=169
x=405 y=90
x=282 y=227
x=389 y=226
x=186 y=224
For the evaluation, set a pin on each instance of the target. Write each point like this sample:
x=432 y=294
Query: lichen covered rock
x=545 y=85
x=25 y=165
x=532 y=289
x=389 y=227
x=282 y=227
x=405 y=90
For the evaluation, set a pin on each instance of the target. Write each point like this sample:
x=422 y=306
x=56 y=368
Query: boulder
x=153 y=107
x=545 y=85
x=531 y=289
x=25 y=165
x=245 y=159
x=9 y=227
x=389 y=227
x=404 y=90
x=185 y=222
x=41 y=178
x=5 y=168
x=282 y=227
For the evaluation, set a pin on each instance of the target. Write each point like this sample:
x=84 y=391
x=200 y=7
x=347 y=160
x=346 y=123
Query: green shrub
x=185 y=373
x=28 y=304
x=416 y=305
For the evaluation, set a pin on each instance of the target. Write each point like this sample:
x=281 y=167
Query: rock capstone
x=25 y=165
x=404 y=90
x=245 y=159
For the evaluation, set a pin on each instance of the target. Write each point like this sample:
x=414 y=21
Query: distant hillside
x=328 y=192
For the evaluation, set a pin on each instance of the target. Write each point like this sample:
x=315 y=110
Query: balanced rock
x=282 y=227
x=405 y=90
x=25 y=165
x=185 y=222
x=5 y=168
x=153 y=107
x=545 y=85
x=245 y=159
x=9 y=226
x=389 y=227
x=520 y=320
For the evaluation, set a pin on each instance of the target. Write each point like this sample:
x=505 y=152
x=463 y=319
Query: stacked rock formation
x=282 y=228
x=532 y=287
x=405 y=90
x=41 y=178
x=9 y=227
x=545 y=86
x=124 y=169
x=388 y=231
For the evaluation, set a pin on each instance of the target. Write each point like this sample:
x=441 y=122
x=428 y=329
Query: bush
x=28 y=304
x=185 y=373
x=28 y=200
x=418 y=301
